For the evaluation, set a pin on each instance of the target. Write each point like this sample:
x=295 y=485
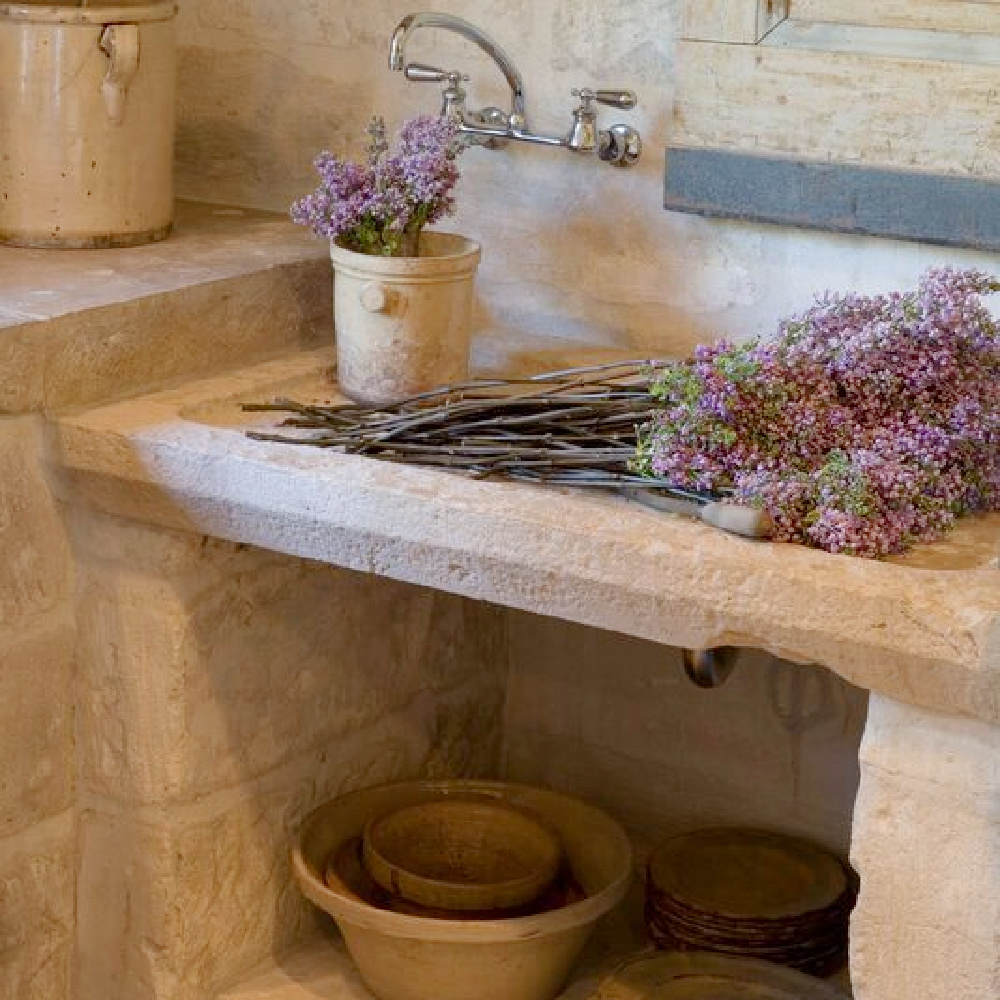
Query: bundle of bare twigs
x=575 y=427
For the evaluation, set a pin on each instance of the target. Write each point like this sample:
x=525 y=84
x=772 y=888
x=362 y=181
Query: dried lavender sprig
x=636 y=369
x=381 y=206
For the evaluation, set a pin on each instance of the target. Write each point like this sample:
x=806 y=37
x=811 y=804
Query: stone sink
x=923 y=629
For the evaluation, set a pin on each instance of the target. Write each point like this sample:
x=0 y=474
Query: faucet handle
x=422 y=73
x=624 y=99
x=620 y=145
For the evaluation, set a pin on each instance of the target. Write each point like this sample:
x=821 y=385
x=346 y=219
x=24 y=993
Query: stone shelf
x=80 y=326
x=322 y=970
x=209 y=243
x=923 y=630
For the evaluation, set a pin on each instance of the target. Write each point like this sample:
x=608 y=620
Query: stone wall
x=573 y=250
x=224 y=692
x=615 y=720
x=927 y=847
x=37 y=821
x=75 y=331
x=166 y=722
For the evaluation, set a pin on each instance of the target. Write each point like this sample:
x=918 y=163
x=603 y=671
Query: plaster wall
x=574 y=251
x=615 y=720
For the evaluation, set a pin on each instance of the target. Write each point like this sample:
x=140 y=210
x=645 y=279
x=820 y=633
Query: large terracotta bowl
x=404 y=957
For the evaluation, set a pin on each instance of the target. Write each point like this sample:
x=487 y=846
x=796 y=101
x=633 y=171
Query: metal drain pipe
x=710 y=668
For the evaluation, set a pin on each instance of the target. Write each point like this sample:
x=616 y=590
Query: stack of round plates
x=752 y=894
x=700 y=976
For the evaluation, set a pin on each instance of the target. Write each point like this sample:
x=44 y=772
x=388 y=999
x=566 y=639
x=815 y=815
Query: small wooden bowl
x=462 y=854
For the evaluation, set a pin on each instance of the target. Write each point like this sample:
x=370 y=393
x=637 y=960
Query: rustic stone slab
x=870 y=201
x=36 y=739
x=37 y=902
x=209 y=243
x=35 y=572
x=962 y=47
x=927 y=847
x=170 y=706
x=80 y=327
x=175 y=904
x=805 y=104
x=953 y=15
x=925 y=630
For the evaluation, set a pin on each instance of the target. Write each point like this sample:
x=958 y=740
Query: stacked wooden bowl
x=751 y=894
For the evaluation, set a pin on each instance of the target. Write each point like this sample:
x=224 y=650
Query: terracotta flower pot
x=403 y=323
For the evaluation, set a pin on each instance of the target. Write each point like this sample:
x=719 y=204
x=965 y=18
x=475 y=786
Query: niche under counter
x=480 y=627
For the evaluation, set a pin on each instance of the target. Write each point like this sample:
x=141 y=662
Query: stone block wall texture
x=927 y=847
x=224 y=693
x=574 y=251
x=152 y=776
x=37 y=821
x=615 y=720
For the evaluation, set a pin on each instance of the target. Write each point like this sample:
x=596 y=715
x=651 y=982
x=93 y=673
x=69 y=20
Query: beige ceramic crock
x=404 y=957
x=87 y=94
x=403 y=323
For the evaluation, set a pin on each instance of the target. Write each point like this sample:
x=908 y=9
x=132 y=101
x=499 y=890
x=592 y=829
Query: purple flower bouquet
x=380 y=207
x=869 y=424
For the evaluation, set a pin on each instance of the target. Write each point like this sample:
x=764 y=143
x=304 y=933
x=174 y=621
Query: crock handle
x=375 y=297
x=120 y=43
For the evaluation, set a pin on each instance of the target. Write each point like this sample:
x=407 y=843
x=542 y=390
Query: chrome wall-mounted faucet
x=620 y=145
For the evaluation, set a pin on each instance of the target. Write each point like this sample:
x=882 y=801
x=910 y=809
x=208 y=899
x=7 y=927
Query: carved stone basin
x=924 y=628
x=973 y=545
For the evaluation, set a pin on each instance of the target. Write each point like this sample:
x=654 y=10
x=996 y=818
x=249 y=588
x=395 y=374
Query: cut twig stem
x=576 y=427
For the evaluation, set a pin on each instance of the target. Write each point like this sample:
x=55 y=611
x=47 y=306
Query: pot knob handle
x=375 y=297
x=120 y=43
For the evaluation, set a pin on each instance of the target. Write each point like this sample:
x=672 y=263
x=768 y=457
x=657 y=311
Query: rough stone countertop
x=208 y=243
x=230 y=287
x=924 y=629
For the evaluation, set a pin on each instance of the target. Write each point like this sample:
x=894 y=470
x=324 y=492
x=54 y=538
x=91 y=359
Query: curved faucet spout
x=448 y=22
